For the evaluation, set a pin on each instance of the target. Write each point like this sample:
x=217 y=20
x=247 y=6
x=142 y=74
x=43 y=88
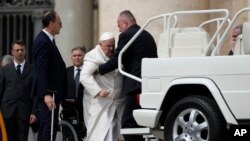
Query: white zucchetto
x=107 y=36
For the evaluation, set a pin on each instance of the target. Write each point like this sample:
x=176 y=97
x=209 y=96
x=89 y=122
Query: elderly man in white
x=102 y=102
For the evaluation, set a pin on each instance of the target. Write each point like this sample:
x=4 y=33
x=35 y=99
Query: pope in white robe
x=102 y=102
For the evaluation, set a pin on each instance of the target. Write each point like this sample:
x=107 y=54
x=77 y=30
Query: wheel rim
x=191 y=125
x=67 y=135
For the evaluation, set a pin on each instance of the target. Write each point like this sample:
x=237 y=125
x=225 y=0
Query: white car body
x=226 y=77
x=167 y=82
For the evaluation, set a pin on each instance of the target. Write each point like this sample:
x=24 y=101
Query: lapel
x=13 y=70
x=71 y=75
x=70 y=79
x=57 y=53
x=54 y=48
x=25 y=70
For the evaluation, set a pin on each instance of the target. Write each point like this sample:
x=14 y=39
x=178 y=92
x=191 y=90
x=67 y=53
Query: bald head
x=48 y=17
x=125 y=20
x=127 y=15
x=52 y=22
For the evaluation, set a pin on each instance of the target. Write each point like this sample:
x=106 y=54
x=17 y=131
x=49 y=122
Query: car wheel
x=194 y=118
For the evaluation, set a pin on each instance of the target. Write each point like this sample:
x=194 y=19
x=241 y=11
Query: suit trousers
x=128 y=120
x=45 y=122
x=17 y=128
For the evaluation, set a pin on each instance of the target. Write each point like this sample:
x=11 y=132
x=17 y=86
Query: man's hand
x=103 y=93
x=49 y=102
x=96 y=72
x=33 y=119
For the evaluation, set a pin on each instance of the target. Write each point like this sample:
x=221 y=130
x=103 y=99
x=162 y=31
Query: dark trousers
x=128 y=120
x=17 y=128
x=45 y=122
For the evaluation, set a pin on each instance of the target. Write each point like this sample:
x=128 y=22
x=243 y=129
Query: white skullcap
x=106 y=36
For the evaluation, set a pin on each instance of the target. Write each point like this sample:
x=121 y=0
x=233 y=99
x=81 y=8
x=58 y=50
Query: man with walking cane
x=49 y=73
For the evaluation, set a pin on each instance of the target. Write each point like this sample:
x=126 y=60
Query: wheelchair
x=72 y=128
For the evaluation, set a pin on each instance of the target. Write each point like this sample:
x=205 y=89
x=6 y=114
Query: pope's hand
x=104 y=93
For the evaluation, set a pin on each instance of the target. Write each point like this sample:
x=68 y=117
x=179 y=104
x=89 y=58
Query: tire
x=68 y=132
x=194 y=118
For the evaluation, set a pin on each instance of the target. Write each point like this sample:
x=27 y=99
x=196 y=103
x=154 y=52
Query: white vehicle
x=191 y=92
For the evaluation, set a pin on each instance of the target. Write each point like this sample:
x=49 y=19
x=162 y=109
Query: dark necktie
x=54 y=41
x=77 y=82
x=18 y=70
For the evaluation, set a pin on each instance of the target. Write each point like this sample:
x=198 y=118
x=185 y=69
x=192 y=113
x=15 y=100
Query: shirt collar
x=51 y=37
x=22 y=64
x=75 y=68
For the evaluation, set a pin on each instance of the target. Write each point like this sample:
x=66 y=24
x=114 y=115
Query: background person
x=74 y=97
x=103 y=102
x=236 y=32
x=17 y=104
x=7 y=59
x=49 y=73
x=143 y=46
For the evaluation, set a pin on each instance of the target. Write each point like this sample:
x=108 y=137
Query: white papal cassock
x=101 y=114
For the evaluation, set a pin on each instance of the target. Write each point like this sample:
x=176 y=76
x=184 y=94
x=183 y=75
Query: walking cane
x=52 y=118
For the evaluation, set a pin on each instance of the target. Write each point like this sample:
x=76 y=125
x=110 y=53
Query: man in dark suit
x=72 y=103
x=144 y=46
x=49 y=74
x=17 y=104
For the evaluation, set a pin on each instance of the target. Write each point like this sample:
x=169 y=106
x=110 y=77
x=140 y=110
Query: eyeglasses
x=17 y=50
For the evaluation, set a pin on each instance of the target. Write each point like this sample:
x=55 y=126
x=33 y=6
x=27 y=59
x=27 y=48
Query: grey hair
x=128 y=15
x=7 y=59
x=82 y=48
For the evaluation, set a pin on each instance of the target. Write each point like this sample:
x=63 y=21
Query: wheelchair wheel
x=66 y=132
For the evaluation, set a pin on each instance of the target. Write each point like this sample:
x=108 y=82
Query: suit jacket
x=144 y=46
x=71 y=85
x=49 y=70
x=15 y=92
